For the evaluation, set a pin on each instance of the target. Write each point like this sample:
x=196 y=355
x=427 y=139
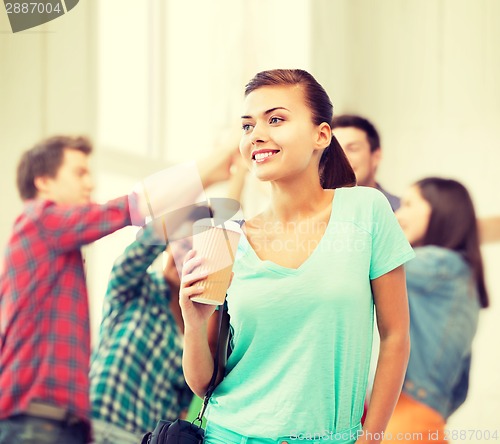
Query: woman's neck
x=295 y=200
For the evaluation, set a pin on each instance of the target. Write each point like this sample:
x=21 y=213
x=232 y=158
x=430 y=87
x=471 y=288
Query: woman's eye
x=246 y=127
x=274 y=120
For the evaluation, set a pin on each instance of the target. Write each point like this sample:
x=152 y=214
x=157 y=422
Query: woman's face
x=414 y=215
x=279 y=138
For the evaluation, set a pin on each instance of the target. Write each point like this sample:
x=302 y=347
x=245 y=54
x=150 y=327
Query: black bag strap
x=211 y=384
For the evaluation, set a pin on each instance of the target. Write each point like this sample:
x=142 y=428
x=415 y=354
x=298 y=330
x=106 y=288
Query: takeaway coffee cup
x=217 y=244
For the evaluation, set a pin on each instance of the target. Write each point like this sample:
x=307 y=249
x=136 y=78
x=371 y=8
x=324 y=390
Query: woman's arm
x=198 y=355
x=489 y=229
x=201 y=323
x=200 y=329
x=391 y=304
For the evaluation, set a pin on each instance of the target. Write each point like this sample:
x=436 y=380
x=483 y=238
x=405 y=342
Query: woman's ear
x=323 y=136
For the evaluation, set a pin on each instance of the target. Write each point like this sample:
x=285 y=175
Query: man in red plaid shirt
x=44 y=319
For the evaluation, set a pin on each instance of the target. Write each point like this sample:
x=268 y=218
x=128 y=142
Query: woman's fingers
x=191 y=274
x=191 y=263
x=189 y=292
x=190 y=279
x=189 y=255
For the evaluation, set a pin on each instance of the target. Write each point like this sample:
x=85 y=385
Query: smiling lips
x=262 y=155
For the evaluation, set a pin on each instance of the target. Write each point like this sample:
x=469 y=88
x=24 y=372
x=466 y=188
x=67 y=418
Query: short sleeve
x=390 y=248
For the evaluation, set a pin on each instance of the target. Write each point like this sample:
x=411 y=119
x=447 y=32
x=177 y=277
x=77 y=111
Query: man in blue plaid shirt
x=136 y=373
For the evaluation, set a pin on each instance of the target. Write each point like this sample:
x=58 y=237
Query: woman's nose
x=259 y=134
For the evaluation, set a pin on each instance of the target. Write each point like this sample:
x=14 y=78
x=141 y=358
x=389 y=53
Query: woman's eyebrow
x=268 y=111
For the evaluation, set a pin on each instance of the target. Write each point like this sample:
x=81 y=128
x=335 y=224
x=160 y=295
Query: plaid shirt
x=136 y=372
x=44 y=319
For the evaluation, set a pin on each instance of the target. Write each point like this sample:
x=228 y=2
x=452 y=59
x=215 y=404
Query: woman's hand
x=195 y=314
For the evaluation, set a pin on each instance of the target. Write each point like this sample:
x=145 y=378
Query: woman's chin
x=263 y=175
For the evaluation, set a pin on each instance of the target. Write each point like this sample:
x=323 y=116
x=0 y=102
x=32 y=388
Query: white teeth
x=260 y=156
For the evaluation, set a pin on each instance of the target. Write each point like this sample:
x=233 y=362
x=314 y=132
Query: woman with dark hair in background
x=308 y=273
x=446 y=290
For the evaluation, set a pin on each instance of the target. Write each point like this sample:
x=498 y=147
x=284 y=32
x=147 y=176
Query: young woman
x=307 y=275
x=446 y=290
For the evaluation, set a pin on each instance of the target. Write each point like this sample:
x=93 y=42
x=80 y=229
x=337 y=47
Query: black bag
x=177 y=432
x=185 y=432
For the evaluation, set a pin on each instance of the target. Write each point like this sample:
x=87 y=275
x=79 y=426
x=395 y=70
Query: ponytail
x=335 y=171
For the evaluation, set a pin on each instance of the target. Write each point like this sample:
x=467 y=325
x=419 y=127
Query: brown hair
x=334 y=168
x=355 y=121
x=453 y=224
x=44 y=159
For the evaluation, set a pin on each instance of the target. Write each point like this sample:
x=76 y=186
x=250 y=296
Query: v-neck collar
x=273 y=266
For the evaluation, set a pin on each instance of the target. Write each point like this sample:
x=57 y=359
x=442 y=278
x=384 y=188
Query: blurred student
x=136 y=374
x=446 y=290
x=360 y=141
x=44 y=321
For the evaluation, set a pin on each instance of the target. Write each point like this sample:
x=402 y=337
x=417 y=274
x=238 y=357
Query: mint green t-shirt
x=302 y=337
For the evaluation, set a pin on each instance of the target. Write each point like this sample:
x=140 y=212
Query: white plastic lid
x=228 y=225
